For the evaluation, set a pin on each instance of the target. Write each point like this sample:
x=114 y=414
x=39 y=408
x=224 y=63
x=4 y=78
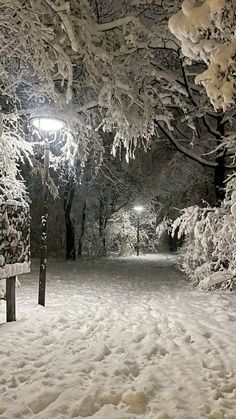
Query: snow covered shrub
x=122 y=236
x=208 y=255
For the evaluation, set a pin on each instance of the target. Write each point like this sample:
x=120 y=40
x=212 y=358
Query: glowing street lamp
x=138 y=209
x=46 y=126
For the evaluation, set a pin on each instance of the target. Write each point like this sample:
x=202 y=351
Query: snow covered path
x=122 y=338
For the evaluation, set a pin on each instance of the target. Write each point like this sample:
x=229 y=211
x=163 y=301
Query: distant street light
x=46 y=125
x=138 y=209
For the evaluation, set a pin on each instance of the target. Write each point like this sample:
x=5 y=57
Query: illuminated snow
x=123 y=338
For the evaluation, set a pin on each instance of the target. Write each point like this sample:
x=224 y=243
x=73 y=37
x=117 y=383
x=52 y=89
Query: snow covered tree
x=206 y=30
x=13 y=149
x=208 y=254
x=83 y=56
x=29 y=62
x=75 y=188
x=80 y=58
x=111 y=189
x=122 y=232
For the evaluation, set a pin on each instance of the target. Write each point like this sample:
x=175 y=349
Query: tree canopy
x=115 y=67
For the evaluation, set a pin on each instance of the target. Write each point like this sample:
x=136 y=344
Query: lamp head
x=44 y=123
x=138 y=208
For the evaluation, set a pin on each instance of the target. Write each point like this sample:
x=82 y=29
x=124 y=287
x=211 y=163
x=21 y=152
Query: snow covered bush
x=206 y=30
x=122 y=235
x=209 y=241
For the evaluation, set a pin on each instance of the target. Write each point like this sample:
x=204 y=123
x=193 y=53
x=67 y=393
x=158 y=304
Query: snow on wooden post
x=14 y=249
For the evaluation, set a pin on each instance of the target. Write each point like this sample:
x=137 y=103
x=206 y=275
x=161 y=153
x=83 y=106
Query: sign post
x=11 y=299
x=14 y=250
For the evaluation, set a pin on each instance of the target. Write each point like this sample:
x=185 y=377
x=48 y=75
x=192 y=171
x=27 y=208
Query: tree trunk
x=80 y=244
x=219 y=176
x=70 y=228
x=104 y=244
x=102 y=227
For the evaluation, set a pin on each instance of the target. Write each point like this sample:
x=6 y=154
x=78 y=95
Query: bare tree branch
x=188 y=153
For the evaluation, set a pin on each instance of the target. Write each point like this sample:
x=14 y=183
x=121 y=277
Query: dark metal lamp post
x=45 y=125
x=138 y=209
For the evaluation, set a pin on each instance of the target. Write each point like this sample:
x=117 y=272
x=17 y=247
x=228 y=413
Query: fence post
x=11 y=299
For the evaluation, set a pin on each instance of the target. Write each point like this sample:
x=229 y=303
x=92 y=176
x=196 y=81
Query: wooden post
x=44 y=230
x=11 y=299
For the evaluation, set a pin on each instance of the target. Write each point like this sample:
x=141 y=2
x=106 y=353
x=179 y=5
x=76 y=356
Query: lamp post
x=46 y=125
x=138 y=209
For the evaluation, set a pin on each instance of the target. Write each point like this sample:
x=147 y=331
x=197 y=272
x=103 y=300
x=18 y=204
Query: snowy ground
x=120 y=339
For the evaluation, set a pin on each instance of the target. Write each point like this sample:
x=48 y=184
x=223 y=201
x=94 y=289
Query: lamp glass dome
x=47 y=124
x=138 y=208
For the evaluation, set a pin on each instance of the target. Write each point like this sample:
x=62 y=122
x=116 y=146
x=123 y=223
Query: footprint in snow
x=47 y=342
x=231 y=318
x=42 y=401
x=39 y=364
x=188 y=339
x=13 y=383
x=22 y=379
x=21 y=364
x=207 y=335
x=2 y=410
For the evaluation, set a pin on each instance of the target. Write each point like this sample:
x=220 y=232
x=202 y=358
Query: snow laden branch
x=33 y=54
x=85 y=62
x=206 y=30
x=103 y=27
x=63 y=13
x=13 y=151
